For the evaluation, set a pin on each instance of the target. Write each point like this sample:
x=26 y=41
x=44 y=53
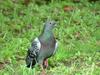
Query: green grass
x=78 y=33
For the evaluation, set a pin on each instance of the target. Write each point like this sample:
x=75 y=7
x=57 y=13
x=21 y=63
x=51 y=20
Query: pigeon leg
x=45 y=63
x=43 y=71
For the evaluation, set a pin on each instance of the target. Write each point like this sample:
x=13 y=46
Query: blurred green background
x=78 y=33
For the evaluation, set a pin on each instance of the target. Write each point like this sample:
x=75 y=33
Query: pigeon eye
x=50 y=22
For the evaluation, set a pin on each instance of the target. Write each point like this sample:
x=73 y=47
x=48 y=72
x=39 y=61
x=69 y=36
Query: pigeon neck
x=47 y=34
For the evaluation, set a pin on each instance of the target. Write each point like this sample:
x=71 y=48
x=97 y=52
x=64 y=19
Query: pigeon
x=42 y=47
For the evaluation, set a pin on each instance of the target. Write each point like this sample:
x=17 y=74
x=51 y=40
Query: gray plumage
x=43 y=46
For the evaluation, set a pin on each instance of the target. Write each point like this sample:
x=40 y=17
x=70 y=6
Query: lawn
x=78 y=33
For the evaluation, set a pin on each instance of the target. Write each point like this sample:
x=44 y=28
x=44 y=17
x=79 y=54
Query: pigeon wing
x=56 y=46
x=32 y=53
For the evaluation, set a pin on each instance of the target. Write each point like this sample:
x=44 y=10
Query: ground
x=78 y=33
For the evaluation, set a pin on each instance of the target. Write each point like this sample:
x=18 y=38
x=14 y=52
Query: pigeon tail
x=30 y=62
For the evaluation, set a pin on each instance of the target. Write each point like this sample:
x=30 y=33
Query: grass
x=78 y=34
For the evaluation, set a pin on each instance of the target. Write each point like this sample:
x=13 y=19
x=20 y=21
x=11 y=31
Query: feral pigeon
x=42 y=47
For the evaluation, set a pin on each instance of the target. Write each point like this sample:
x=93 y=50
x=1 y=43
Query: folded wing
x=32 y=53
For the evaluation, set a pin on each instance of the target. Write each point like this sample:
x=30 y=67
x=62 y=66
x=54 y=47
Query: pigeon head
x=49 y=25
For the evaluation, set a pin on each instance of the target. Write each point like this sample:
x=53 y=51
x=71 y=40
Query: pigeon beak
x=55 y=24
